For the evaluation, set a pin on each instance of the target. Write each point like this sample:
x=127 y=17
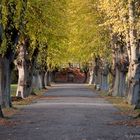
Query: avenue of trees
x=37 y=36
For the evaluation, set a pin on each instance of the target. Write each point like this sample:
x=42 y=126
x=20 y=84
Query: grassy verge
x=124 y=108
x=118 y=102
x=18 y=105
x=30 y=99
x=13 y=89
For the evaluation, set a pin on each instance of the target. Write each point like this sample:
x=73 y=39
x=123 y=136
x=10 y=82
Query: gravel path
x=69 y=112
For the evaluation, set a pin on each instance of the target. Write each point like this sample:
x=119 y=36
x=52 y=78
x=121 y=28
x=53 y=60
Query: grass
x=30 y=99
x=118 y=102
x=123 y=107
x=13 y=89
x=19 y=104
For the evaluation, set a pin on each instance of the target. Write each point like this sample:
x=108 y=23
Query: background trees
x=122 y=17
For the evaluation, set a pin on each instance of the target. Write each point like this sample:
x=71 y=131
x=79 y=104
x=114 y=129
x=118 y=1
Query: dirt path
x=69 y=112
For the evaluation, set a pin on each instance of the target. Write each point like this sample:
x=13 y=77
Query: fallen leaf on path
x=5 y=122
x=126 y=122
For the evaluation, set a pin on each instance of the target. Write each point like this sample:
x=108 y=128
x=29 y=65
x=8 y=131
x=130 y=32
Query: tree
x=134 y=67
x=122 y=17
x=7 y=49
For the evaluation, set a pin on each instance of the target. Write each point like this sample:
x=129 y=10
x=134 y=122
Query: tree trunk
x=120 y=83
x=105 y=72
x=122 y=87
x=31 y=69
x=1 y=86
x=1 y=113
x=22 y=72
x=86 y=76
x=36 y=81
x=134 y=67
x=29 y=87
x=5 y=74
x=104 y=82
x=53 y=76
x=97 y=73
x=117 y=83
x=39 y=80
x=26 y=69
x=48 y=78
x=91 y=78
x=43 y=79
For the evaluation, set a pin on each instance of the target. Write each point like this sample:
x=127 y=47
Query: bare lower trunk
x=104 y=85
x=122 y=87
x=1 y=113
x=134 y=67
x=91 y=78
x=98 y=79
x=39 y=81
x=120 y=83
x=53 y=76
x=42 y=79
x=31 y=70
x=22 y=81
x=21 y=63
x=45 y=79
x=48 y=78
x=29 y=87
x=134 y=86
x=86 y=77
x=1 y=86
x=104 y=75
x=25 y=70
x=116 y=84
x=36 y=81
x=5 y=75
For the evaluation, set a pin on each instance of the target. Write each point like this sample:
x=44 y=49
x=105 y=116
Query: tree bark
x=5 y=74
x=86 y=77
x=42 y=74
x=105 y=72
x=1 y=87
x=32 y=69
x=36 y=81
x=53 y=76
x=91 y=78
x=39 y=80
x=120 y=83
x=97 y=72
x=134 y=67
x=11 y=35
x=48 y=78
x=22 y=71
x=1 y=113
x=91 y=74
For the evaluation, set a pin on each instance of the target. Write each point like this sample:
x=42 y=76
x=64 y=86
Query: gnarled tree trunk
x=5 y=74
x=31 y=69
x=42 y=79
x=91 y=78
x=105 y=72
x=91 y=74
x=97 y=72
x=120 y=83
x=48 y=78
x=22 y=71
x=134 y=67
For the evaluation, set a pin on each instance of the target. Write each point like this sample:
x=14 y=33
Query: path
x=69 y=112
